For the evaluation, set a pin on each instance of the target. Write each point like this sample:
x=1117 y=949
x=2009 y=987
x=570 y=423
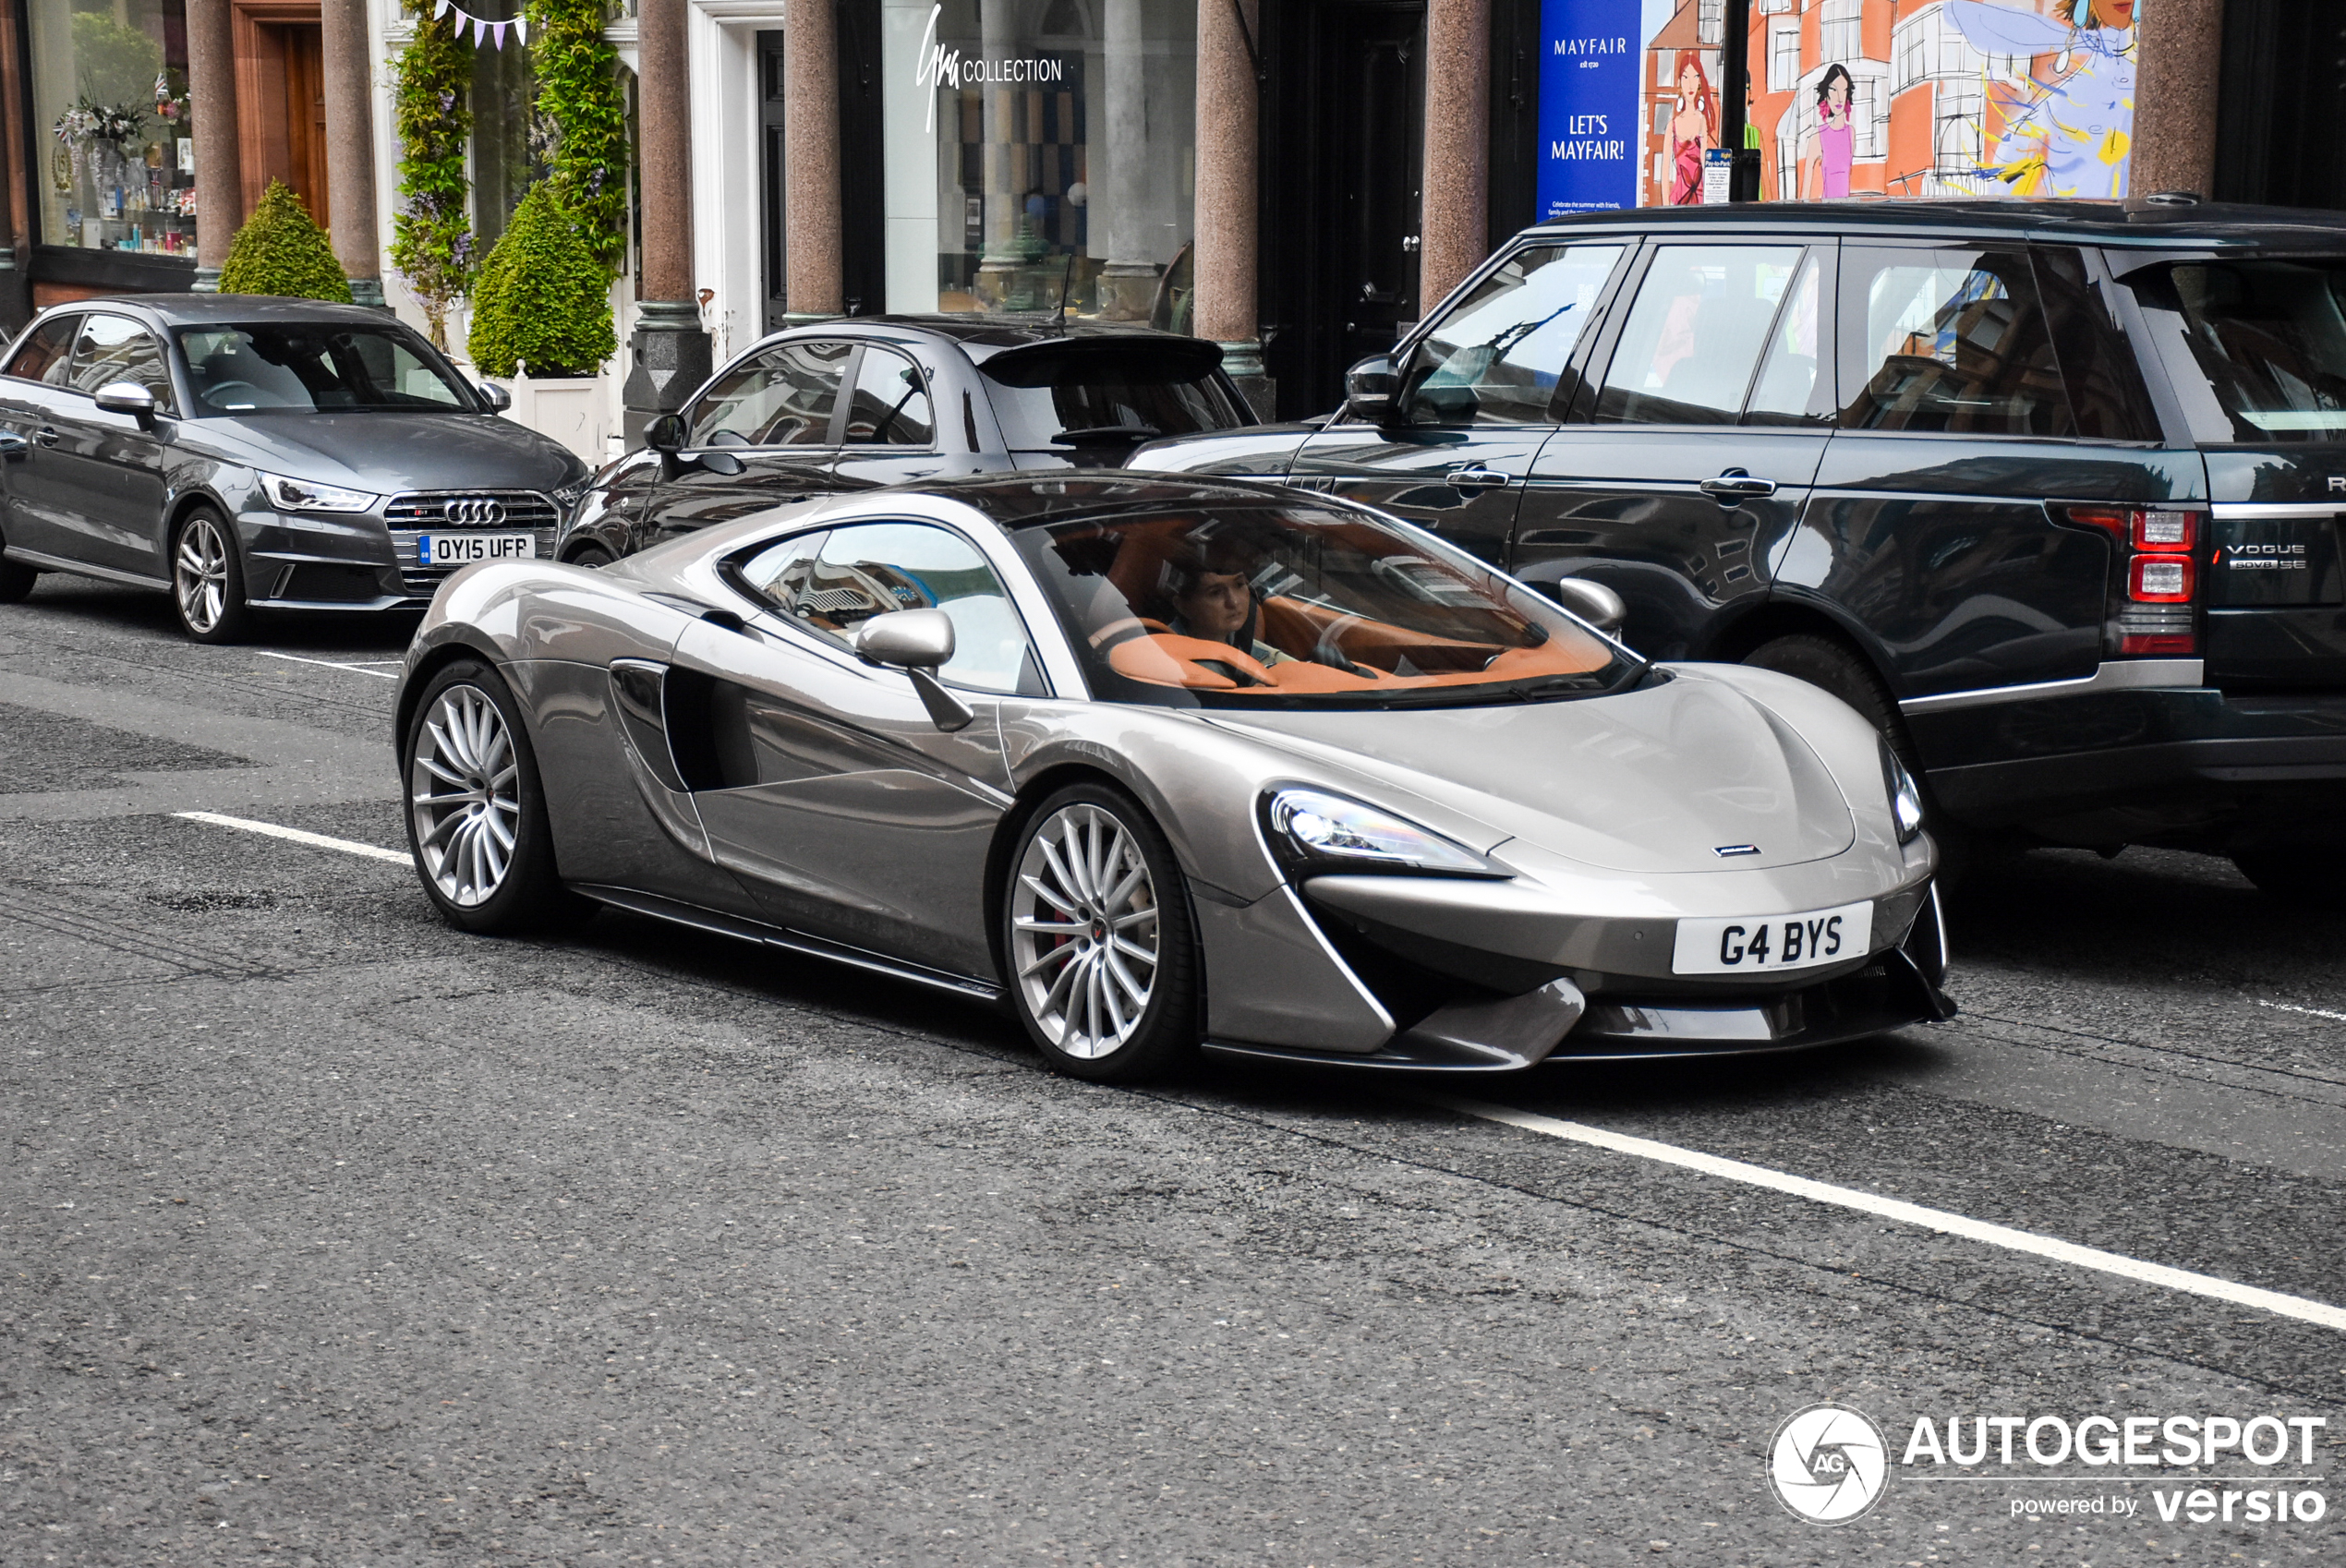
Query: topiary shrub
x=281 y=252
x=542 y=301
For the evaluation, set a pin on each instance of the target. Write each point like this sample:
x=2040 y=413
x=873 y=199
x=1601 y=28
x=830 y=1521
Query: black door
x=1342 y=172
x=1688 y=466
x=889 y=433
x=773 y=211
x=1483 y=389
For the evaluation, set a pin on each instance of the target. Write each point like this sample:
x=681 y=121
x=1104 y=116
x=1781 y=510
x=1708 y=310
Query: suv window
x=1499 y=357
x=830 y=583
x=1693 y=339
x=888 y=406
x=2106 y=397
x=45 y=353
x=116 y=348
x=782 y=397
x=2264 y=341
x=1950 y=340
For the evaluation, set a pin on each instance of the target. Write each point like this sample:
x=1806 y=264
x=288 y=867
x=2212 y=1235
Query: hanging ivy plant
x=578 y=91
x=431 y=241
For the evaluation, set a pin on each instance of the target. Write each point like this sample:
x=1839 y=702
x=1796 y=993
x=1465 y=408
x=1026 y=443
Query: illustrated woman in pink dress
x=1694 y=128
x=1828 y=172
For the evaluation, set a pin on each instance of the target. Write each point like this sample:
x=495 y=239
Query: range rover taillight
x=2155 y=588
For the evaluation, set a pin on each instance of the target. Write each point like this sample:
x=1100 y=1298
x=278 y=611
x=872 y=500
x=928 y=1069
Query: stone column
x=1005 y=269
x=669 y=352
x=1119 y=202
x=813 y=233
x=1228 y=107
x=16 y=290
x=350 y=148
x=211 y=103
x=1456 y=216
x=2179 y=58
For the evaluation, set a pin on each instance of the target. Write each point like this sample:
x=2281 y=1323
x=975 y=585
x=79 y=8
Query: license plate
x=463 y=549
x=1771 y=943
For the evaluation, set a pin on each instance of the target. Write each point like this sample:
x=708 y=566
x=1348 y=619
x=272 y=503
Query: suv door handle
x=1480 y=478
x=46 y=435
x=1736 y=485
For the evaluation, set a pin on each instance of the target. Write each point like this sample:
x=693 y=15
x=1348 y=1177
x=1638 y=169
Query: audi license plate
x=1768 y=944
x=463 y=549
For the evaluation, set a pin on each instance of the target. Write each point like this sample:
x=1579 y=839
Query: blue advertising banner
x=1591 y=143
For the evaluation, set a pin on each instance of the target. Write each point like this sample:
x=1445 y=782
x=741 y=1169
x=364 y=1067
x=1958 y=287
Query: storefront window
x=117 y=159
x=1059 y=138
x=512 y=142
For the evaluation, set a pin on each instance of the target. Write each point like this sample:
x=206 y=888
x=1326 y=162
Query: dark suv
x=2053 y=492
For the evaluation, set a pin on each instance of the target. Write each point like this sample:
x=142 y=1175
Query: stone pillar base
x=369 y=292
x=207 y=281
x=671 y=355
x=1127 y=290
x=1242 y=362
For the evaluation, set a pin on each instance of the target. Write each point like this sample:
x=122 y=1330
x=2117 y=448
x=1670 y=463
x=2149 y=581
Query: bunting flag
x=482 y=28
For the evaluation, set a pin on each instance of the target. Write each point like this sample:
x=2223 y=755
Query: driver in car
x=1214 y=599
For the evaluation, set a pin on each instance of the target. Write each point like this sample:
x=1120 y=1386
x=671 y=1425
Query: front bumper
x=370 y=561
x=2198 y=765
x=1447 y=974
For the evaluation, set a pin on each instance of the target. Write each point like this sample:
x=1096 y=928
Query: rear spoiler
x=1159 y=356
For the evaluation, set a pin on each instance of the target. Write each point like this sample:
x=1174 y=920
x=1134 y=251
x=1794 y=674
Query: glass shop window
x=115 y=139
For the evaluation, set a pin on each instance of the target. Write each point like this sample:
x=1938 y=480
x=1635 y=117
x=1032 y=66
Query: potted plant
x=281 y=250
x=542 y=308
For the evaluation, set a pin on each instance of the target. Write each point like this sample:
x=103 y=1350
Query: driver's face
x=1215 y=604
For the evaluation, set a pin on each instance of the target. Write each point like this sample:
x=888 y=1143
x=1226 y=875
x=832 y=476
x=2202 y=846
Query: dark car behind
x=2053 y=491
x=895 y=399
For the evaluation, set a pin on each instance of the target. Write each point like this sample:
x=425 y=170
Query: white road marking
x=318 y=840
x=330 y=664
x=2310 y=1013
x=1940 y=1220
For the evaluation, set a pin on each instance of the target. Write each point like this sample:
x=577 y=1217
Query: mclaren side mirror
x=916 y=641
x=128 y=397
x=496 y=397
x=1593 y=602
x=665 y=434
x=1370 y=389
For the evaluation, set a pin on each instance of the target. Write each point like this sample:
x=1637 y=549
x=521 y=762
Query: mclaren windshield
x=1276 y=606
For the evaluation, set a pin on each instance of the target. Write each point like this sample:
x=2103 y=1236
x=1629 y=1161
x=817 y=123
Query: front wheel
x=208 y=579
x=476 y=818
x=594 y=558
x=1097 y=928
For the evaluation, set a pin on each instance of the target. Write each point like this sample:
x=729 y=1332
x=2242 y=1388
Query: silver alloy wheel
x=465 y=810
x=199 y=573
x=1084 y=931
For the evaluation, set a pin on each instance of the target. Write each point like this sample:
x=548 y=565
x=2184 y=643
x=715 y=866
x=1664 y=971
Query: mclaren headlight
x=1906 y=796
x=300 y=495
x=1314 y=830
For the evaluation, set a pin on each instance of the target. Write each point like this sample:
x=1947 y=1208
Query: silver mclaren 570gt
x=1158 y=764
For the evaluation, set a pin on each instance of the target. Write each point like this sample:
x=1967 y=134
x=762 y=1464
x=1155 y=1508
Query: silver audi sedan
x=1159 y=765
x=246 y=453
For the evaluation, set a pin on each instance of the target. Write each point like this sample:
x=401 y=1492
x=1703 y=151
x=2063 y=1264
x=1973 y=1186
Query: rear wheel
x=1096 y=925
x=592 y=557
x=208 y=579
x=476 y=818
x=1822 y=662
x=15 y=582
x=2304 y=877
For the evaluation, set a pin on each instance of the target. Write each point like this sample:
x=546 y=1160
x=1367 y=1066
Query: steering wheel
x=212 y=394
x=1329 y=651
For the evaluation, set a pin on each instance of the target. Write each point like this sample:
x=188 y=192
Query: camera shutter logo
x=1828 y=1464
x=476 y=511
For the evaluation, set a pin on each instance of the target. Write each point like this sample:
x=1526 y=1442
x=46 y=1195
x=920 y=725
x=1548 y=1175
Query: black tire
x=208 y=579
x=468 y=773
x=1822 y=662
x=16 y=581
x=594 y=558
x=2304 y=877
x=1096 y=974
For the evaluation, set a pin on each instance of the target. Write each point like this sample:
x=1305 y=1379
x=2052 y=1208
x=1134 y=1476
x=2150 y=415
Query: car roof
x=979 y=336
x=1013 y=502
x=202 y=310
x=2152 y=223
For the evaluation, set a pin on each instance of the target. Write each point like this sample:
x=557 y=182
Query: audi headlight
x=1312 y=829
x=300 y=495
x=1906 y=796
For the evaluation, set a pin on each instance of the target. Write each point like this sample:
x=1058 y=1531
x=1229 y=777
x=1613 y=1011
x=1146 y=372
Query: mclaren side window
x=1283 y=606
x=829 y=582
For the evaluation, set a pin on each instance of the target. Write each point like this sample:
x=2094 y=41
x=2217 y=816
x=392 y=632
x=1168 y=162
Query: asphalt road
x=331 y=1237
